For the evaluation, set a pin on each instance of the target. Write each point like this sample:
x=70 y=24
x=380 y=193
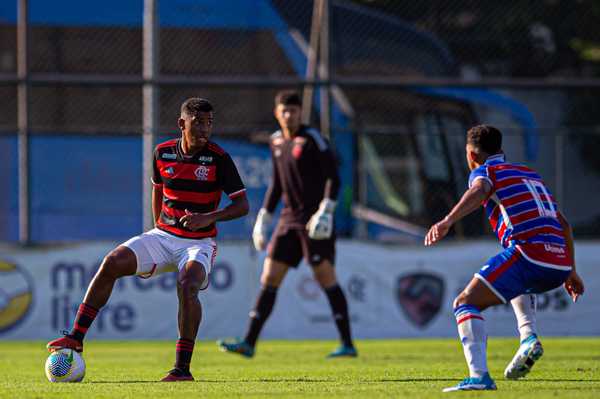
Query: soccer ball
x=65 y=365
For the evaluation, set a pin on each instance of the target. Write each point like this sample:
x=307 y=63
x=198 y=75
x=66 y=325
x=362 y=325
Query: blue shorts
x=509 y=275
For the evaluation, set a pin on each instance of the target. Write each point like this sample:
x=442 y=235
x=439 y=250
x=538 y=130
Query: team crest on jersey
x=420 y=297
x=169 y=170
x=202 y=172
x=297 y=151
x=298 y=146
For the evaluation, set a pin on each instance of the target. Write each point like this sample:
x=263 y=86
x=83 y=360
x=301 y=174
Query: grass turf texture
x=417 y=368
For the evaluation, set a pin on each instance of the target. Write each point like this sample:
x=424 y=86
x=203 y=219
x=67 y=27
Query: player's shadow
x=410 y=379
x=563 y=379
x=276 y=380
x=279 y=380
x=124 y=382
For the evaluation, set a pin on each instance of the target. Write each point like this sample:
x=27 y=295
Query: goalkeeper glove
x=259 y=234
x=320 y=225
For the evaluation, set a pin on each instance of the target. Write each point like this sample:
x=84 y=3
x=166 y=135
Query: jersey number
x=533 y=186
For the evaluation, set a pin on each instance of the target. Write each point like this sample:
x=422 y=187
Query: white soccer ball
x=65 y=365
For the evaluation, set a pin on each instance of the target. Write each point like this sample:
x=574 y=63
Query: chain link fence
x=407 y=81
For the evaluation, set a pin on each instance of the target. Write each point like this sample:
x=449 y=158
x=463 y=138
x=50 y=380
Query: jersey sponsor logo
x=553 y=249
x=202 y=173
x=16 y=295
x=420 y=297
x=205 y=158
x=169 y=170
x=168 y=156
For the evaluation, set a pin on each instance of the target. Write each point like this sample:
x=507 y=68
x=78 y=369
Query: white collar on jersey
x=496 y=158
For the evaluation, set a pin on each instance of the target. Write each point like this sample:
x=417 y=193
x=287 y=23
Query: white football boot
x=528 y=353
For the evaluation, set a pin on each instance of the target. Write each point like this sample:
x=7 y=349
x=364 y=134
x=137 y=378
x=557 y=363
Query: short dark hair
x=192 y=106
x=485 y=138
x=288 y=97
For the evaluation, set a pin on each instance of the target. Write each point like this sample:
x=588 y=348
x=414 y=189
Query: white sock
x=525 y=307
x=471 y=329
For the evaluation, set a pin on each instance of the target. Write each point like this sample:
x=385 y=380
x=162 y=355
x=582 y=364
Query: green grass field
x=386 y=368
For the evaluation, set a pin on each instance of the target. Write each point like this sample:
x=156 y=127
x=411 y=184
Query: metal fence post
x=23 y=120
x=325 y=72
x=311 y=60
x=559 y=164
x=150 y=104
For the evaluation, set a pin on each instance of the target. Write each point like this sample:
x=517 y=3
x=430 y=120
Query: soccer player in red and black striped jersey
x=305 y=176
x=190 y=175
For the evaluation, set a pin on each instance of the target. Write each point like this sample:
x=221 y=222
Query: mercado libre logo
x=16 y=295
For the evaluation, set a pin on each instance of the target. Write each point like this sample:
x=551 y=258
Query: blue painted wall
x=90 y=187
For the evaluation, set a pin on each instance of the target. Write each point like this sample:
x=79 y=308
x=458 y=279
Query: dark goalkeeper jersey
x=301 y=167
x=194 y=183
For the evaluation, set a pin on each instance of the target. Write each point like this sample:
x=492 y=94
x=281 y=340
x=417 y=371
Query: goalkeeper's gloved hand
x=320 y=225
x=259 y=234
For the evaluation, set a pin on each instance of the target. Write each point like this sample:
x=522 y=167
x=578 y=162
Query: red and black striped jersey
x=194 y=183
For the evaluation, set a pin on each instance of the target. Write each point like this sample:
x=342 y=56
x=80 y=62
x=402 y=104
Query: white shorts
x=159 y=252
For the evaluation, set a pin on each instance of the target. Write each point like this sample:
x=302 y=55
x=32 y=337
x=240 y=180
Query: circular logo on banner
x=16 y=295
x=221 y=276
x=308 y=288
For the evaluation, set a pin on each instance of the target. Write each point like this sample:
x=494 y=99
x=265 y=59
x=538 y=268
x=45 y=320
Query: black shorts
x=289 y=244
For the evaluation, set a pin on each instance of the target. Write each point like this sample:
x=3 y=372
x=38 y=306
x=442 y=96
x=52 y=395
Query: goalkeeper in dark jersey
x=305 y=175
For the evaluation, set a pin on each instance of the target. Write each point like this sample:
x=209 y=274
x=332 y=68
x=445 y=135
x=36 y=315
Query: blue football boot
x=238 y=346
x=343 y=351
x=528 y=353
x=484 y=383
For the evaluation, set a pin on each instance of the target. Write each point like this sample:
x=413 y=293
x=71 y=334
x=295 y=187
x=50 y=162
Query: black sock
x=260 y=313
x=83 y=320
x=183 y=354
x=339 y=308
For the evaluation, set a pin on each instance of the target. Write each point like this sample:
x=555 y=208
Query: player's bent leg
x=118 y=263
x=272 y=276
x=530 y=348
x=273 y=272
x=476 y=297
x=324 y=273
x=190 y=280
x=530 y=351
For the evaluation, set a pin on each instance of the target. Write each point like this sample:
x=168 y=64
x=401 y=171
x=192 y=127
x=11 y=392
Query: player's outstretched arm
x=470 y=201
